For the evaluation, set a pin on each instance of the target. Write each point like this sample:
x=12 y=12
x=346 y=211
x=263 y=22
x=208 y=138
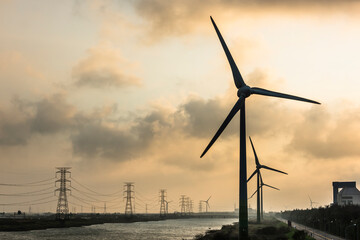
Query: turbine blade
x=208 y=198
x=271 y=186
x=256 y=158
x=265 y=92
x=239 y=82
x=261 y=181
x=232 y=113
x=252 y=175
x=272 y=169
x=253 y=193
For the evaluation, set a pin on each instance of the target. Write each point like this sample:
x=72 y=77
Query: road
x=317 y=234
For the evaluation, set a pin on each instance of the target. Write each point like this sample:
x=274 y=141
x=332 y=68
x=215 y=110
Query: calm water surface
x=159 y=230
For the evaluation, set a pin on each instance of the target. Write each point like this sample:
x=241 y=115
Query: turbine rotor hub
x=244 y=91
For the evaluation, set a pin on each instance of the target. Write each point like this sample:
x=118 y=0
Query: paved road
x=318 y=235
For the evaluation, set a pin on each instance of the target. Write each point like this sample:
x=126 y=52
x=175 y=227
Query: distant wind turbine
x=311 y=202
x=243 y=92
x=206 y=203
x=260 y=188
x=257 y=171
x=167 y=206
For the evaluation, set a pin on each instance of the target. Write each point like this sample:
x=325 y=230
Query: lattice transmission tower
x=182 y=204
x=130 y=198
x=200 y=206
x=189 y=205
x=62 y=209
x=162 y=200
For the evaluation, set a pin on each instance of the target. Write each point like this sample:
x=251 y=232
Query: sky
x=133 y=91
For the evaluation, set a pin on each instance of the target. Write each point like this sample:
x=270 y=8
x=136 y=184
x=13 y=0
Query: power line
x=27 y=202
x=94 y=192
x=27 y=193
x=37 y=183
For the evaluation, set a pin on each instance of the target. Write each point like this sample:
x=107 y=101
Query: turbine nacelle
x=244 y=91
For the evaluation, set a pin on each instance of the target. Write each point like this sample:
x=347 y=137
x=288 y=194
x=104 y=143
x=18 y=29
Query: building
x=349 y=194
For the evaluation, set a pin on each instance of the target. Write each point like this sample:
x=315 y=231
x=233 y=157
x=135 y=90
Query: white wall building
x=348 y=195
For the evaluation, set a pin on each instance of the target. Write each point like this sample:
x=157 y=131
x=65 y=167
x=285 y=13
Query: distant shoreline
x=42 y=223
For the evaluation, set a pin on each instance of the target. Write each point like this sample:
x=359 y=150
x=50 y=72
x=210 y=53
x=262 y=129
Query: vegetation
x=270 y=229
x=338 y=220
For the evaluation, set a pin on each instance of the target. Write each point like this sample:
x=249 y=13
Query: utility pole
x=146 y=208
x=62 y=210
x=104 y=207
x=182 y=204
x=130 y=195
x=162 y=202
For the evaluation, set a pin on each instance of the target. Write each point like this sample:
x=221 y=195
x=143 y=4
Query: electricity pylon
x=200 y=206
x=130 y=195
x=191 y=203
x=62 y=209
x=162 y=202
x=182 y=203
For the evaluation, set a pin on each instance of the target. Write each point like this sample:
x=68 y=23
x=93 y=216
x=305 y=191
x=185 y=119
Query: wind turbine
x=311 y=202
x=258 y=167
x=243 y=92
x=260 y=188
x=207 y=203
x=167 y=206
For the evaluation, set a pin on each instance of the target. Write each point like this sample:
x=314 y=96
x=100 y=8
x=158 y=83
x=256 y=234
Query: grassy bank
x=270 y=229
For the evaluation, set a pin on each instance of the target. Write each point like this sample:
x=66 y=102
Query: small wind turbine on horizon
x=167 y=206
x=259 y=185
x=243 y=92
x=206 y=203
x=311 y=202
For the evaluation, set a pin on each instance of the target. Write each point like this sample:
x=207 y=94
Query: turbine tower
x=244 y=91
x=257 y=171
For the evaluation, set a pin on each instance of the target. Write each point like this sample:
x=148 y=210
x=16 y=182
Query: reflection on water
x=159 y=230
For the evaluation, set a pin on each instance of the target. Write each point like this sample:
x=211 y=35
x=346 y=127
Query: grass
x=270 y=229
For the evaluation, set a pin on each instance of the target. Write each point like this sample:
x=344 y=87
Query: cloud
x=103 y=67
x=99 y=139
x=15 y=129
x=52 y=114
x=178 y=17
x=326 y=135
x=25 y=118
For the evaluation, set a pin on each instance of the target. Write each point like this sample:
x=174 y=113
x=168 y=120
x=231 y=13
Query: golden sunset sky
x=134 y=91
